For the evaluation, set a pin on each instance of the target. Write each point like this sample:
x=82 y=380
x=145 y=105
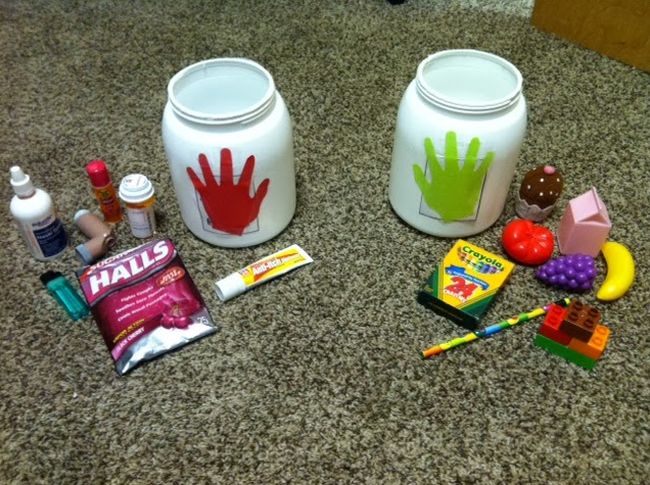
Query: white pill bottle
x=460 y=126
x=228 y=140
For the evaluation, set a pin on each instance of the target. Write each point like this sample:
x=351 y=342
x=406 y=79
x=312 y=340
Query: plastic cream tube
x=262 y=271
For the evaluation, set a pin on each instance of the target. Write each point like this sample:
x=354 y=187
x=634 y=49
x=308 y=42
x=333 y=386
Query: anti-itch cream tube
x=262 y=271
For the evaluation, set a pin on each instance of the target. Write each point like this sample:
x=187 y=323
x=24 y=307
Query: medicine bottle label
x=142 y=221
x=109 y=204
x=50 y=236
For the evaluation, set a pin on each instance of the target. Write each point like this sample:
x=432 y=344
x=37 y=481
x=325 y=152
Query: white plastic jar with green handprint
x=459 y=130
x=228 y=139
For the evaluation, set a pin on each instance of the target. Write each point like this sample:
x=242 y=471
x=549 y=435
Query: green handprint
x=453 y=192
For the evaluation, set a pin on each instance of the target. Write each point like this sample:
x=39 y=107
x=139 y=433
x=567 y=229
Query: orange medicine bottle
x=104 y=190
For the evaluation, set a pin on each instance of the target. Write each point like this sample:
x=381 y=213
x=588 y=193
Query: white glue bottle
x=33 y=211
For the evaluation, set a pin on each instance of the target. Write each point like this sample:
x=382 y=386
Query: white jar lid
x=135 y=188
x=230 y=286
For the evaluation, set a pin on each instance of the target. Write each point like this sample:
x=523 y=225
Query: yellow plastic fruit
x=620 y=271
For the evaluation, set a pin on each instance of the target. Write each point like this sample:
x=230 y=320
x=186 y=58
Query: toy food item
x=539 y=191
x=576 y=272
x=585 y=225
x=620 y=271
x=527 y=243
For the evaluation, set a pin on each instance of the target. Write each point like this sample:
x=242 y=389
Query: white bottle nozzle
x=20 y=182
x=17 y=174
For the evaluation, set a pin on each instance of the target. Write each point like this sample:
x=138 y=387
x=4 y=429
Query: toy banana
x=620 y=271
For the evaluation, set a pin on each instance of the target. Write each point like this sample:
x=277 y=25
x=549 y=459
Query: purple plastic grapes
x=575 y=272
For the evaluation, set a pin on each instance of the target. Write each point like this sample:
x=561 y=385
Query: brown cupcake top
x=542 y=186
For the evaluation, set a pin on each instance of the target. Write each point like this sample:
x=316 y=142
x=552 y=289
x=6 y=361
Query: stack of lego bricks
x=574 y=333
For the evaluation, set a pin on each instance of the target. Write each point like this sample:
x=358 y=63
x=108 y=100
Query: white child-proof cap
x=135 y=188
x=230 y=286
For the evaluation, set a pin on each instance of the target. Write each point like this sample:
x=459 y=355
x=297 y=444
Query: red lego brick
x=550 y=328
x=596 y=345
x=580 y=321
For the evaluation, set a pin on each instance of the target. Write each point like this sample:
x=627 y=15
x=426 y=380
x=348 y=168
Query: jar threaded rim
x=261 y=96
x=450 y=80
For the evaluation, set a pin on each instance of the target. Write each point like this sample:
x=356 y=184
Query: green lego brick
x=565 y=352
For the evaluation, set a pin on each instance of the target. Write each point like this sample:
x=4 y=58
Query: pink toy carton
x=585 y=225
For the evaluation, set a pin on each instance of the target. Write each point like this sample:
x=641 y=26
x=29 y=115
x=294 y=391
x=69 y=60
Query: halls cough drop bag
x=145 y=303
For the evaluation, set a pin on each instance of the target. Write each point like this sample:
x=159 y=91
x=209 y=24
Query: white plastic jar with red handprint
x=460 y=126
x=228 y=139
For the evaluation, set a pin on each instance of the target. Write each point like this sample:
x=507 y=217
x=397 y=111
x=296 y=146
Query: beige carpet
x=317 y=377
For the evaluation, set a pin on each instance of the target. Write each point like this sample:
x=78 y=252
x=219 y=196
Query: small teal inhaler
x=65 y=294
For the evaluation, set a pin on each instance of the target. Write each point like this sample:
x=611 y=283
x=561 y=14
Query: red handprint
x=229 y=206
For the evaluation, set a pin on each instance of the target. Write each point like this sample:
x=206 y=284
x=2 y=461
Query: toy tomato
x=527 y=243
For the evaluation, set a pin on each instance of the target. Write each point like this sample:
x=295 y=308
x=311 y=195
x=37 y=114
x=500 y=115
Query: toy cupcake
x=539 y=192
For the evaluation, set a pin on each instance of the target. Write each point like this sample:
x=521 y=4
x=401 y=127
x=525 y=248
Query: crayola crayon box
x=463 y=285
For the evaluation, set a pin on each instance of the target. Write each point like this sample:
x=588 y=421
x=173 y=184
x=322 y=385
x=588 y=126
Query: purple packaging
x=145 y=303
